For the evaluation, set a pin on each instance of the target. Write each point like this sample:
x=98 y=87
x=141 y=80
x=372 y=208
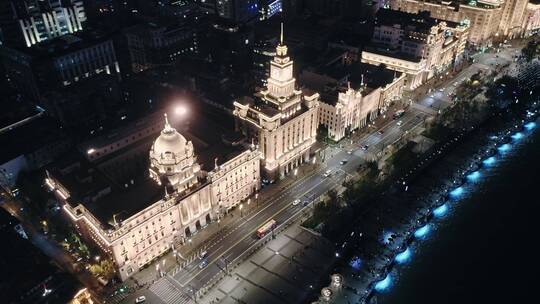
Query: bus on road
x=264 y=229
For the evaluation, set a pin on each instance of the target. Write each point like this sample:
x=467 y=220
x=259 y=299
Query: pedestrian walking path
x=168 y=292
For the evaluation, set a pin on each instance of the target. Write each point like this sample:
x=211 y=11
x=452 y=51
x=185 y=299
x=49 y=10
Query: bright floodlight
x=180 y=110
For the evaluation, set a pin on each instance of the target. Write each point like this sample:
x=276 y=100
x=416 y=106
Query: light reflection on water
x=494 y=167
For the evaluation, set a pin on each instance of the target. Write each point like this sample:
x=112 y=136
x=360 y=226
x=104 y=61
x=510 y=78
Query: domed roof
x=169 y=141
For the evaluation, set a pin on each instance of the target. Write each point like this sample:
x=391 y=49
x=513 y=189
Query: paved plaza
x=285 y=270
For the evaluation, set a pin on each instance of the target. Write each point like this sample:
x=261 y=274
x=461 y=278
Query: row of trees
x=476 y=99
x=335 y=211
x=531 y=50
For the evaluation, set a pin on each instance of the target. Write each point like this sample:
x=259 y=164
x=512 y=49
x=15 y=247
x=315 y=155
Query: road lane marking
x=250 y=233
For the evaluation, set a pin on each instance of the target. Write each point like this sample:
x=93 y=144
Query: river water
x=483 y=249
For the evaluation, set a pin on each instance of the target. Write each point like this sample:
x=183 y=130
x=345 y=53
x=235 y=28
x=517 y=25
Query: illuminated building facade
x=33 y=21
x=488 y=19
x=352 y=94
x=415 y=44
x=531 y=19
x=151 y=215
x=158 y=43
x=280 y=119
x=74 y=57
x=240 y=11
x=269 y=8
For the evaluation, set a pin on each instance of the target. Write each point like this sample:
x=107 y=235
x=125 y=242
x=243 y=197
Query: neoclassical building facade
x=416 y=44
x=190 y=199
x=280 y=119
x=488 y=19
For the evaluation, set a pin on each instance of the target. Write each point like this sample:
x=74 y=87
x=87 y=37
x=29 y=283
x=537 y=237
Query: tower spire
x=281 y=35
x=168 y=127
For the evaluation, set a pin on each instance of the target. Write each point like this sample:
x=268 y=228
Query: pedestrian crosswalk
x=169 y=293
x=116 y=298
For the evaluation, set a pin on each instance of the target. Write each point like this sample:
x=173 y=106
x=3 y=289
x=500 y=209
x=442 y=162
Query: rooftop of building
x=124 y=173
x=478 y=3
x=26 y=132
x=421 y=21
x=66 y=44
x=267 y=105
x=187 y=18
x=256 y=103
x=16 y=111
x=384 y=50
x=340 y=75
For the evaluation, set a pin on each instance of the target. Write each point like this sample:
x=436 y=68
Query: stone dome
x=172 y=160
x=169 y=141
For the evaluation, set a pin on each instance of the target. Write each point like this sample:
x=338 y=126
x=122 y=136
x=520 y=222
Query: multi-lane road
x=239 y=237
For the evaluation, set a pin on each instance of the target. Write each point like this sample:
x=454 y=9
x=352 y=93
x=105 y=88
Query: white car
x=296 y=202
x=343 y=162
x=327 y=173
x=203 y=264
x=140 y=299
x=399 y=123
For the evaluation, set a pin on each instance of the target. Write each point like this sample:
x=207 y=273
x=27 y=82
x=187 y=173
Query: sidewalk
x=286 y=269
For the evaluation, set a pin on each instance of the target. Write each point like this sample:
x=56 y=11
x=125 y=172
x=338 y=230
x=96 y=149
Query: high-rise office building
x=241 y=11
x=28 y=22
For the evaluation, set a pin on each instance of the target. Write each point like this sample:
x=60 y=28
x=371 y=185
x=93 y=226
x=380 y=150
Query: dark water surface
x=486 y=248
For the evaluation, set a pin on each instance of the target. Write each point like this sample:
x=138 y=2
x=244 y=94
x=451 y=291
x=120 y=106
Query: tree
x=322 y=134
x=372 y=169
x=333 y=199
x=531 y=50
